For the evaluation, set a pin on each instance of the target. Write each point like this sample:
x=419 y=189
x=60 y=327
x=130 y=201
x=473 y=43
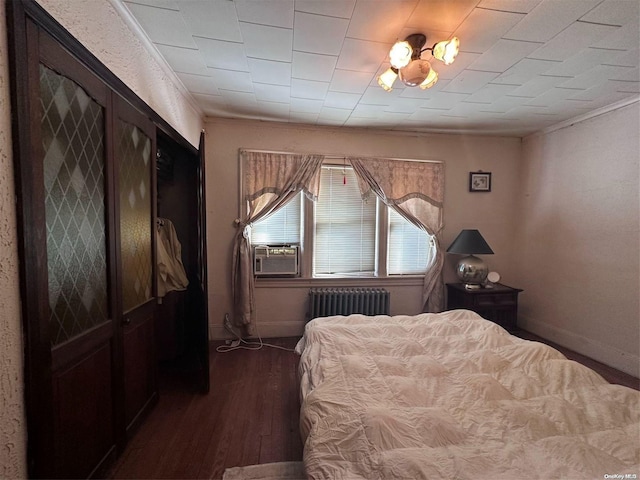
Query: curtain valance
x=269 y=181
x=267 y=176
x=416 y=191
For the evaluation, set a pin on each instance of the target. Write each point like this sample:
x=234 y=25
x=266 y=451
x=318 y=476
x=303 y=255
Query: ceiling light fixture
x=414 y=71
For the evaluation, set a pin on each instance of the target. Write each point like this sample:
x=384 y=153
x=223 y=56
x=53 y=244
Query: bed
x=452 y=395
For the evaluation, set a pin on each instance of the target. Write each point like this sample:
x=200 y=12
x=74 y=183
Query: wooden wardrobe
x=89 y=194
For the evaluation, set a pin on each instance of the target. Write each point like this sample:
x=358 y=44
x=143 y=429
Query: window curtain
x=416 y=191
x=269 y=181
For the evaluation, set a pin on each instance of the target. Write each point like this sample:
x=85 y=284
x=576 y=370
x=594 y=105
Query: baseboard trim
x=606 y=354
x=265 y=330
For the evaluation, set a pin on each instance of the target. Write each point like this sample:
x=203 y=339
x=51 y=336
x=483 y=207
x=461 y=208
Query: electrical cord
x=241 y=344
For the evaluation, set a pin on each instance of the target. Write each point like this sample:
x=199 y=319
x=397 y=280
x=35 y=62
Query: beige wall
x=281 y=311
x=101 y=29
x=578 y=241
x=12 y=417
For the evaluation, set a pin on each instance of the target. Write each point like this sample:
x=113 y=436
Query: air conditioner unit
x=271 y=260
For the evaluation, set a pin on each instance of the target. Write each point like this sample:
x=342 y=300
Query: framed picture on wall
x=479 y=181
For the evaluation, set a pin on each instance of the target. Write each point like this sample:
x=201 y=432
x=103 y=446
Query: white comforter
x=454 y=396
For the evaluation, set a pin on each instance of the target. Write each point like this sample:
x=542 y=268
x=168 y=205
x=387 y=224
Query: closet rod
x=329 y=156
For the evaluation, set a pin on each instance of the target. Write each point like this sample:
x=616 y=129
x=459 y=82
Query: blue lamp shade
x=471 y=270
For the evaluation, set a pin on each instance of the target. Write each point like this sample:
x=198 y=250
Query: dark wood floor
x=250 y=416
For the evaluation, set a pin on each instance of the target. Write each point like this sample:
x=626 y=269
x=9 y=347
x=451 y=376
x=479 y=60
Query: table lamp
x=471 y=270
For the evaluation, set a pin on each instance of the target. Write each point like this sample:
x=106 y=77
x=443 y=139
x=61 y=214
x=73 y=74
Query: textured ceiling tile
x=605 y=88
x=347 y=81
x=199 y=83
x=524 y=70
x=306 y=105
x=470 y=81
x=329 y=8
x=614 y=12
x=502 y=55
x=506 y=103
x=273 y=110
x=309 y=89
x=163 y=26
x=239 y=99
x=405 y=105
x=362 y=55
x=374 y=95
x=303 y=118
x=367 y=111
x=600 y=74
x=625 y=59
x=440 y=15
x=482 y=28
x=623 y=38
x=277 y=13
x=549 y=18
x=272 y=93
x=519 y=6
x=572 y=40
x=221 y=54
x=490 y=93
x=318 y=34
x=313 y=66
x=448 y=72
x=268 y=71
x=446 y=100
x=231 y=80
x=379 y=21
x=209 y=101
x=538 y=84
x=166 y=4
x=184 y=60
x=334 y=116
x=217 y=20
x=342 y=100
x=551 y=97
x=581 y=62
x=269 y=43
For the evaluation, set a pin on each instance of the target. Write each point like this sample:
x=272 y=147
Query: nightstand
x=498 y=304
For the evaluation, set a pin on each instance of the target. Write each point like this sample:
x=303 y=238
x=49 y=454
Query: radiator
x=324 y=302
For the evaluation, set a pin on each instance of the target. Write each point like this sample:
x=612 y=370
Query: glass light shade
x=430 y=81
x=447 y=51
x=387 y=78
x=415 y=73
x=400 y=54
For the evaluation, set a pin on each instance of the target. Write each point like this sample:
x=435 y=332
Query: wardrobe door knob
x=126 y=321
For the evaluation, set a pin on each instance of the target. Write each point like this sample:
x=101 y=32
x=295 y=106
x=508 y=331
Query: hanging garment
x=171 y=273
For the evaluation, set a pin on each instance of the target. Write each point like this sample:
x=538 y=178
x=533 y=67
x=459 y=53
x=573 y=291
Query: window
x=345 y=226
x=281 y=227
x=411 y=249
x=346 y=231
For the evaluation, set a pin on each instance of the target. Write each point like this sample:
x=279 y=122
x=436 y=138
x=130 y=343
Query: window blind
x=345 y=226
x=410 y=249
x=281 y=227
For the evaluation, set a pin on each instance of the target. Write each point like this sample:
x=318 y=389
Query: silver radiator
x=324 y=302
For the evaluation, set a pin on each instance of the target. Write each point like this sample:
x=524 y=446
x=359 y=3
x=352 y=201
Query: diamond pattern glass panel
x=134 y=152
x=73 y=141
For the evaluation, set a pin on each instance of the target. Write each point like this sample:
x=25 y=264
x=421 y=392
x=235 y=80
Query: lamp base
x=472 y=271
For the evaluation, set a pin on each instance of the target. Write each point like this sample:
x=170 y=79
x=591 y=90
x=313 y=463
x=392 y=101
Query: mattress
x=452 y=395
